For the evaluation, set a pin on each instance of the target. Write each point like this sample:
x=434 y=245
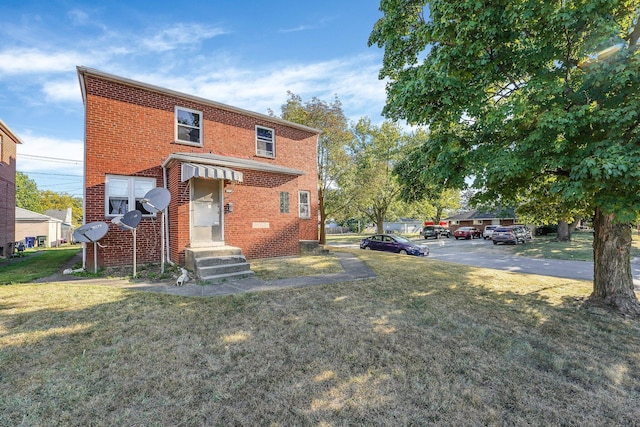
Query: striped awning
x=196 y=170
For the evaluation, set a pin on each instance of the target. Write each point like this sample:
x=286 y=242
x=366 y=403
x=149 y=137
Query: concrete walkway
x=354 y=269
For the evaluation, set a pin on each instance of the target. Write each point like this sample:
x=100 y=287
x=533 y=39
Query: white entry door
x=206 y=213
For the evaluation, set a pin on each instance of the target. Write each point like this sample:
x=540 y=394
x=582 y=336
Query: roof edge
x=9 y=132
x=84 y=71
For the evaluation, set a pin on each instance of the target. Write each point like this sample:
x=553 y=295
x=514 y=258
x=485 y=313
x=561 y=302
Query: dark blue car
x=393 y=243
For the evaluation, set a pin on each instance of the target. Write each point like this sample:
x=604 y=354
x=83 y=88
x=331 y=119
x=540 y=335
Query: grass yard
x=424 y=343
x=579 y=248
x=35 y=264
x=287 y=267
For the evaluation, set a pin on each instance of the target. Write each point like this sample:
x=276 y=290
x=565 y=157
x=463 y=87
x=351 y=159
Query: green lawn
x=579 y=248
x=425 y=343
x=35 y=264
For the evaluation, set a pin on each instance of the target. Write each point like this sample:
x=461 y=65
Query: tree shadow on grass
x=425 y=342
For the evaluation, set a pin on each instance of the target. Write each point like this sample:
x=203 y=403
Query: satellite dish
x=91 y=233
x=128 y=221
x=156 y=199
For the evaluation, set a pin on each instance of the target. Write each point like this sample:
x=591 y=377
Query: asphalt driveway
x=483 y=253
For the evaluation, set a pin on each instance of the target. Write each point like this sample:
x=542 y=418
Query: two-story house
x=236 y=178
x=8 y=147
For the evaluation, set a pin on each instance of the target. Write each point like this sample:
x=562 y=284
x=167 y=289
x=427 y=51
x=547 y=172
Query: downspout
x=83 y=91
x=166 y=221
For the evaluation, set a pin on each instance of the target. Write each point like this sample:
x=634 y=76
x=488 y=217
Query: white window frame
x=129 y=194
x=266 y=152
x=302 y=205
x=177 y=125
x=477 y=222
x=455 y=222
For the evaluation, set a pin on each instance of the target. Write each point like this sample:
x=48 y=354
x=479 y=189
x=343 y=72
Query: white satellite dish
x=91 y=233
x=130 y=221
x=156 y=200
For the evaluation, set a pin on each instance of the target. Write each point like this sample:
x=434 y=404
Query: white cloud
x=49 y=152
x=296 y=29
x=62 y=90
x=179 y=36
x=353 y=80
x=32 y=61
x=78 y=17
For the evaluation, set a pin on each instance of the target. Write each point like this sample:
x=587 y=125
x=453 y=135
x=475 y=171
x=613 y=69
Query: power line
x=53 y=174
x=51 y=159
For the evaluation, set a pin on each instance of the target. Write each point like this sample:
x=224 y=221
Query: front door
x=206 y=212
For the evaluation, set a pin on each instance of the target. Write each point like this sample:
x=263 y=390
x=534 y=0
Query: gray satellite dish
x=130 y=221
x=91 y=233
x=156 y=200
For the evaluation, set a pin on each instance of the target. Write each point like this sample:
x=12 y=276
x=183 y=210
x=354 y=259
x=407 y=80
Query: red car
x=467 y=233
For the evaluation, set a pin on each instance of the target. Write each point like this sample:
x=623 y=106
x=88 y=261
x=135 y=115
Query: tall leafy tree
x=333 y=160
x=27 y=193
x=62 y=201
x=513 y=90
x=375 y=151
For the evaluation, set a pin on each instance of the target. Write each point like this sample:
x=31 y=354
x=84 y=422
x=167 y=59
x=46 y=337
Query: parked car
x=467 y=233
x=523 y=232
x=435 y=231
x=488 y=231
x=506 y=235
x=393 y=243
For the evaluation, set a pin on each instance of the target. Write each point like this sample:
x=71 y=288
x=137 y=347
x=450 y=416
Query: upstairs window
x=188 y=126
x=304 y=204
x=265 y=142
x=123 y=194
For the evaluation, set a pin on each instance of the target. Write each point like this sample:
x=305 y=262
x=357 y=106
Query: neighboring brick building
x=8 y=145
x=236 y=178
x=480 y=220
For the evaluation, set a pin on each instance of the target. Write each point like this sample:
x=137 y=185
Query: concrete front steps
x=217 y=263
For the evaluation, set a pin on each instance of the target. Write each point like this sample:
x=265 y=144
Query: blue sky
x=243 y=53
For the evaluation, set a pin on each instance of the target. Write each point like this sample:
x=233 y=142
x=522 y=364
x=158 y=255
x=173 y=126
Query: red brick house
x=480 y=219
x=8 y=148
x=236 y=178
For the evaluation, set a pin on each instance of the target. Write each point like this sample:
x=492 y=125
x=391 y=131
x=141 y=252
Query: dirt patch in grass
x=426 y=342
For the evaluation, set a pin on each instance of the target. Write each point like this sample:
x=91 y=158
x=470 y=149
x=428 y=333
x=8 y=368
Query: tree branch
x=557 y=172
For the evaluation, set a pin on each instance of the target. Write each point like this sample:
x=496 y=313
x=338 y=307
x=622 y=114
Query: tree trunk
x=564 y=235
x=379 y=221
x=438 y=217
x=573 y=225
x=612 y=279
x=323 y=218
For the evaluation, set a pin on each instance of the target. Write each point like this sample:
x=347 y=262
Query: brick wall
x=7 y=193
x=130 y=131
